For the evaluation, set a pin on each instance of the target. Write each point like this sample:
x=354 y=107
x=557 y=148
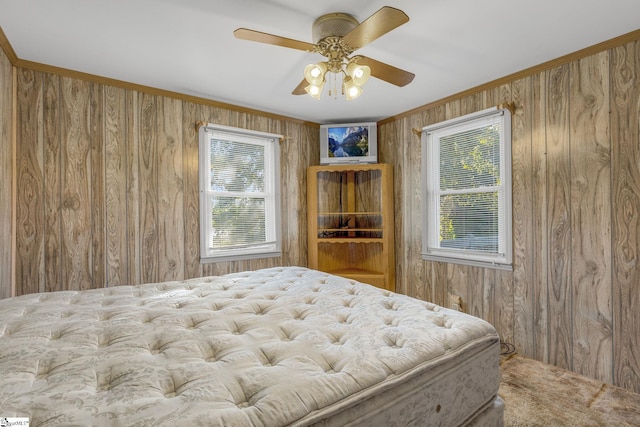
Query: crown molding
x=5 y=45
x=8 y=49
x=571 y=57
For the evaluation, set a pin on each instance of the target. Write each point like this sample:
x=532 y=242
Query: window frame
x=272 y=197
x=430 y=137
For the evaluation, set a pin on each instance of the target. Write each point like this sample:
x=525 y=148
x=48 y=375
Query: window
x=239 y=194
x=466 y=164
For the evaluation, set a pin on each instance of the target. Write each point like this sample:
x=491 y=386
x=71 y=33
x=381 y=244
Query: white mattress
x=280 y=346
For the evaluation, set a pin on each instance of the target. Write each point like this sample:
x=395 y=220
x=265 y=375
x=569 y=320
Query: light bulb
x=314 y=73
x=351 y=90
x=315 y=90
x=358 y=73
x=354 y=92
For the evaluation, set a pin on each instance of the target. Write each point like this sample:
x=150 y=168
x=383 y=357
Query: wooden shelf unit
x=351 y=222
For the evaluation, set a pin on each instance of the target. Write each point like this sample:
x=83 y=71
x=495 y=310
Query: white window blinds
x=239 y=194
x=467 y=164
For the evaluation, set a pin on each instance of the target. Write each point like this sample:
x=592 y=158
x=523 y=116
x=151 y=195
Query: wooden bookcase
x=351 y=222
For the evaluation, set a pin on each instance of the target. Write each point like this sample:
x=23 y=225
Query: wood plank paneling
x=170 y=190
x=407 y=170
x=29 y=175
x=6 y=175
x=625 y=193
x=522 y=201
x=52 y=183
x=538 y=344
x=97 y=187
x=293 y=165
x=559 y=217
x=148 y=177
x=500 y=309
x=290 y=169
x=77 y=175
x=116 y=166
x=392 y=133
x=190 y=116
x=590 y=277
x=134 y=243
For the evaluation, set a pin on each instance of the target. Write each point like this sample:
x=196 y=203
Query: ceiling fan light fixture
x=336 y=36
x=314 y=73
x=351 y=90
x=315 y=90
x=359 y=73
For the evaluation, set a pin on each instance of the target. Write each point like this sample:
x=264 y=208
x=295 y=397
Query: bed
x=272 y=347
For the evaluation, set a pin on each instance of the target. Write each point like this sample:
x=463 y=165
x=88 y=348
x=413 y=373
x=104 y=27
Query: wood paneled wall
x=107 y=183
x=573 y=297
x=6 y=174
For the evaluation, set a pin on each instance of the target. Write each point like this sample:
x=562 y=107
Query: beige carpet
x=537 y=394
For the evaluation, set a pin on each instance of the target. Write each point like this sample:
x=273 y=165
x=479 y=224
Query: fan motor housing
x=332 y=24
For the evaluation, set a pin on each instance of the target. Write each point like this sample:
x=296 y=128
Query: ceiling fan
x=336 y=36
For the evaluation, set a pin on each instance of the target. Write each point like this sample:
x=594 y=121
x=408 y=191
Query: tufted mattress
x=273 y=347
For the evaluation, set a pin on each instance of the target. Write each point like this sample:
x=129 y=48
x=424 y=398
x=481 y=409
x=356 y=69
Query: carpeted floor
x=537 y=394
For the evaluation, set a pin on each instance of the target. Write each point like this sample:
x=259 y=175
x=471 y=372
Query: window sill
x=470 y=262
x=238 y=257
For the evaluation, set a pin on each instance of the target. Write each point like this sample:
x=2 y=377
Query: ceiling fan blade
x=299 y=90
x=257 y=36
x=386 y=72
x=378 y=24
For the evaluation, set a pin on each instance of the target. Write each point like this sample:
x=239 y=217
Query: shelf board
x=334 y=240
x=356 y=272
x=349 y=230
x=348 y=213
x=348 y=167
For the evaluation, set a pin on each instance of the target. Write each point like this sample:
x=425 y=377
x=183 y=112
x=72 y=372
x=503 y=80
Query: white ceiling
x=187 y=46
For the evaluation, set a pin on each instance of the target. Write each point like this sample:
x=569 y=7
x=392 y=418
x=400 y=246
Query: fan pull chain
x=332 y=87
x=335 y=87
